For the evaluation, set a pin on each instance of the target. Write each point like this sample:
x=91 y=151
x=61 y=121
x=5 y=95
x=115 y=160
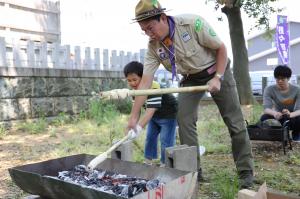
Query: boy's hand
x=134 y=133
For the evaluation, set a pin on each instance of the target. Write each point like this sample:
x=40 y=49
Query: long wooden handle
x=168 y=90
x=123 y=93
x=116 y=145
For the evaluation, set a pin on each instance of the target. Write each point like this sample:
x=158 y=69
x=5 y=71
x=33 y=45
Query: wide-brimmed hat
x=146 y=9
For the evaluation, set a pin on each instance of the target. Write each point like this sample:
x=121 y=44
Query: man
x=282 y=101
x=188 y=45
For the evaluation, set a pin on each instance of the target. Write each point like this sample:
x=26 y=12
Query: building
x=36 y=20
x=262 y=51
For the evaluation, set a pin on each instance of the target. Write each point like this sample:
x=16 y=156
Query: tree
x=261 y=11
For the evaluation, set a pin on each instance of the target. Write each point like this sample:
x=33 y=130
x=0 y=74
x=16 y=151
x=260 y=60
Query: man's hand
x=214 y=85
x=286 y=113
x=134 y=133
x=277 y=115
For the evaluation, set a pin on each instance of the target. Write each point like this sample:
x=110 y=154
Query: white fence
x=31 y=54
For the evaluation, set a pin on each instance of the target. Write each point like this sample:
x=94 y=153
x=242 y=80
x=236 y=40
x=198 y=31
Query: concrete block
x=123 y=152
x=182 y=157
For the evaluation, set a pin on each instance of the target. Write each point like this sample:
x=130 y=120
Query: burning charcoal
x=108 y=181
x=152 y=184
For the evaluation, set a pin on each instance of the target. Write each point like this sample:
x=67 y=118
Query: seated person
x=160 y=115
x=282 y=101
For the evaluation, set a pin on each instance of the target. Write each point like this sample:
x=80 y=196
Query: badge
x=185 y=36
x=198 y=24
x=212 y=32
x=162 y=53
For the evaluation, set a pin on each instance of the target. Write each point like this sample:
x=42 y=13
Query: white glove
x=134 y=133
x=115 y=94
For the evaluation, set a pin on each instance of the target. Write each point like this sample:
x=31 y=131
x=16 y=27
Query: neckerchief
x=168 y=42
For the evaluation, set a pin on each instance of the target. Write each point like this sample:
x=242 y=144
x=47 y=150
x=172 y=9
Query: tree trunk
x=240 y=55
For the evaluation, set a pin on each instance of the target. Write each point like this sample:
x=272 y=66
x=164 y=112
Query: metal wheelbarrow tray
x=280 y=134
x=38 y=179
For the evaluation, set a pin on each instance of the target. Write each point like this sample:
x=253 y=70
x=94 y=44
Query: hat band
x=150 y=13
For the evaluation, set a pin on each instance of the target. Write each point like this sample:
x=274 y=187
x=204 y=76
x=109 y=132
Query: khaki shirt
x=195 y=44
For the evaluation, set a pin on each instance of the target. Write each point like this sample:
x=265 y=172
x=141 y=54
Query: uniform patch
x=154 y=3
x=162 y=53
x=185 y=36
x=198 y=24
x=212 y=32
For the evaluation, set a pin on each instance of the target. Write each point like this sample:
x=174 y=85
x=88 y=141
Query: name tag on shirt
x=185 y=36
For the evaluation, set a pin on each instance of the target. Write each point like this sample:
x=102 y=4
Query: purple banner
x=282 y=39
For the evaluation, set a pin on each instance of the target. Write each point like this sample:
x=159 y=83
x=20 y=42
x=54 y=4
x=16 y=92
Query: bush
x=102 y=111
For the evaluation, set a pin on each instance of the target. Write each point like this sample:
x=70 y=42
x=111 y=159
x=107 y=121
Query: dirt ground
x=19 y=148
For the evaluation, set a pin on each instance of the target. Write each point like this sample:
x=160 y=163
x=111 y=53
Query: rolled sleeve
x=151 y=62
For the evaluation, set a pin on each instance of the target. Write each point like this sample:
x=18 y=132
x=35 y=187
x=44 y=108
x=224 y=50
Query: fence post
x=2 y=52
x=87 y=58
x=142 y=55
x=77 y=58
x=30 y=54
x=114 y=59
x=55 y=55
x=16 y=54
x=97 y=65
x=43 y=62
x=136 y=57
x=264 y=84
x=105 y=59
x=67 y=54
x=128 y=57
x=122 y=59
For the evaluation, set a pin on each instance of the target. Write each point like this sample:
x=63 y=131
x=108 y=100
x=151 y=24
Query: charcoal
x=108 y=181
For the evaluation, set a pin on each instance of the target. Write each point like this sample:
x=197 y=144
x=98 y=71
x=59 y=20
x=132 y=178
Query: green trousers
x=230 y=110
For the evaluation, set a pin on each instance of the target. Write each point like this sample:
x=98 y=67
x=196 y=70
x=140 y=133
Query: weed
x=3 y=131
x=226 y=184
x=61 y=119
x=102 y=111
x=52 y=132
x=38 y=126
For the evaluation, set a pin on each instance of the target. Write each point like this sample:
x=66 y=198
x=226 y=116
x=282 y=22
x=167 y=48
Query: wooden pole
x=123 y=93
x=168 y=90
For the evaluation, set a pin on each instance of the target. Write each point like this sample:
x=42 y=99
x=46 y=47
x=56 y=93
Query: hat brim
x=147 y=15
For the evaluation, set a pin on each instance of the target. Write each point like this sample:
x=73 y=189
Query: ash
x=109 y=182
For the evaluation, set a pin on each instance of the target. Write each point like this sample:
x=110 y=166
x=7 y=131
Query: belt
x=204 y=73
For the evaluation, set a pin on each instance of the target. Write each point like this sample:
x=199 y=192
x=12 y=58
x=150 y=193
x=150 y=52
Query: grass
x=3 y=131
x=95 y=130
x=34 y=127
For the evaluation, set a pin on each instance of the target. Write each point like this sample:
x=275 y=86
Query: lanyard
x=168 y=43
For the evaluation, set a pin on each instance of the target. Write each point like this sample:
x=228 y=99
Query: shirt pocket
x=191 y=56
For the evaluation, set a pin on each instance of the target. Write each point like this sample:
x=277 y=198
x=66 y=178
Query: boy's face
x=133 y=80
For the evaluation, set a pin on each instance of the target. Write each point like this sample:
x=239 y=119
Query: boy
x=160 y=115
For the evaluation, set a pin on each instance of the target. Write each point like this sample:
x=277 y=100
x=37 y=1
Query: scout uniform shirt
x=165 y=104
x=195 y=44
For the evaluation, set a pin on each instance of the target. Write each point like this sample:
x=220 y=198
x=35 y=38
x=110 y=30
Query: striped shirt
x=165 y=104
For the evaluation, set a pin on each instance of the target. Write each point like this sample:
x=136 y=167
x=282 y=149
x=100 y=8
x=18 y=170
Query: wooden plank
x=246 y=194
x=273 y=195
